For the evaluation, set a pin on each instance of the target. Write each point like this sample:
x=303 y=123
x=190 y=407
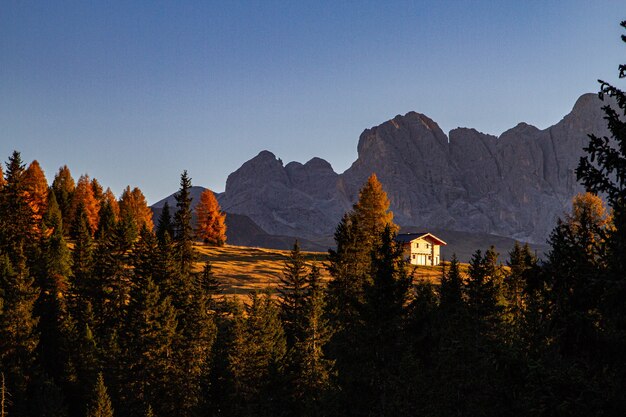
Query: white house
x=421 y=248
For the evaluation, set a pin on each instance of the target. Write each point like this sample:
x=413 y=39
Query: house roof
x=410 y=237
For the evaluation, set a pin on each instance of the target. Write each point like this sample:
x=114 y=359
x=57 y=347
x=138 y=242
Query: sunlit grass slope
x=243 y=269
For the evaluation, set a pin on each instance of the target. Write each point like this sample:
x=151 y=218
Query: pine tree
x=109 y=198
x=148 y=347
x=211 y=226
x=18 y=335
x=16 y=215
x=134 y=205
x=378 y=347
x=293 y=290
x=482 y=287
x=64 y=186
x=356 y=236
x=98 y=191
x=56 y=326
x=451 y=288
x=257 y=350
x=183 y=232
x=165 y=225
x=603 y=171
x=82 y=258
x=100 y=405
x=307 y=370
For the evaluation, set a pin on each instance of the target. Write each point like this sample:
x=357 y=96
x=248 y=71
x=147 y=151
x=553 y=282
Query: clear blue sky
x=135 y=92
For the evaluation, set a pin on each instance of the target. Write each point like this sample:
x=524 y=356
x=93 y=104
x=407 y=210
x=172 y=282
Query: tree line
x=101 y=315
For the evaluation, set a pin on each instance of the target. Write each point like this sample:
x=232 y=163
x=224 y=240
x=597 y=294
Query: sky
x=133 y=93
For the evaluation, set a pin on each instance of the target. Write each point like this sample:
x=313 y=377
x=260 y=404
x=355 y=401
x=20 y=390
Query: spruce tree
x=149 y=337
x=293 y=291
x=18 y=330
x=165 y=225
x=183 y=231
x=63 y=187
x=257 y=350
x=100 y=405
x=17 y=225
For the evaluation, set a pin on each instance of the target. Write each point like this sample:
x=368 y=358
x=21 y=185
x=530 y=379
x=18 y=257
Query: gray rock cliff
x=514 y=185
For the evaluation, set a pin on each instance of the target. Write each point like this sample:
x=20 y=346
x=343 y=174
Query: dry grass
x=243 y=270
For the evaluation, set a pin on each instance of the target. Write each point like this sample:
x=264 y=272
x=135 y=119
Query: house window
x=417 y=245
x=413 y=256
x=427 y=246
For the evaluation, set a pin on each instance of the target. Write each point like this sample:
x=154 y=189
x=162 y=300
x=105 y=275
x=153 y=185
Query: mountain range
x=514 y=186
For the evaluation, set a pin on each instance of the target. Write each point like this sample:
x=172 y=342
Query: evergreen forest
x=103 y=313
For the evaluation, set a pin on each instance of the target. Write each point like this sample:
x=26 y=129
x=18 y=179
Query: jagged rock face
x=515 y=185
x=295 y=200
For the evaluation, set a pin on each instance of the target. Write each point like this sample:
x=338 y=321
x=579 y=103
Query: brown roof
x=410 y=237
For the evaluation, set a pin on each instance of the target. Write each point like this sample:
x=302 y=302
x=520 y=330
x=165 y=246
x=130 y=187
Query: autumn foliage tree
x=83 y=194
x=211 y=226
x=36 y=189
x=134 y=206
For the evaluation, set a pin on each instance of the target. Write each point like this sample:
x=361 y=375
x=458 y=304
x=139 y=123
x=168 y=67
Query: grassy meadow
x=243 y=269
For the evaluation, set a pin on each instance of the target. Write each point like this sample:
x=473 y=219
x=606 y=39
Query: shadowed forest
x=103 y=313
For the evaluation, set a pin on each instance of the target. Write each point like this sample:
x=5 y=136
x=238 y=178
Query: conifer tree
x=356 y=236
x=64 y=186
x=372 y=211
x=293 y=290
x=307 y=369
x=109 y=198
x=18 y=335
x=257 y=350
x=56 y=326
x=576 y=274
x=2 y=184
x=603 y=171
x=98 y=191
x=481 y=287
x=148 y=348
x=210 y=226
x=100 y=405
x=16 y=215
x=36 y=193
x=165 y=225
x=378 y=346
x=83 y=195
x=82 y=258
x=451 y=288
x=183 y=231
x=522 y=264
x=133 y=204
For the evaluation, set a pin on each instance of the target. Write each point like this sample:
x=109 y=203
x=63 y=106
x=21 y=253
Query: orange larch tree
x=2 y=180
x=36 y=190
x=84 y=194
x=211 y=222
x=133 y=204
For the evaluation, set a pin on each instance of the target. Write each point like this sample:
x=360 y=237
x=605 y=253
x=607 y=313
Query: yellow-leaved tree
x=211 y=222
x=372 y=212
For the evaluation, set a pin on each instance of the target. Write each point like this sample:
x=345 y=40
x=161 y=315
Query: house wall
x=423 y=252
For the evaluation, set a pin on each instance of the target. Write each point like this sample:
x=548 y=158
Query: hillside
x=242 y=269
